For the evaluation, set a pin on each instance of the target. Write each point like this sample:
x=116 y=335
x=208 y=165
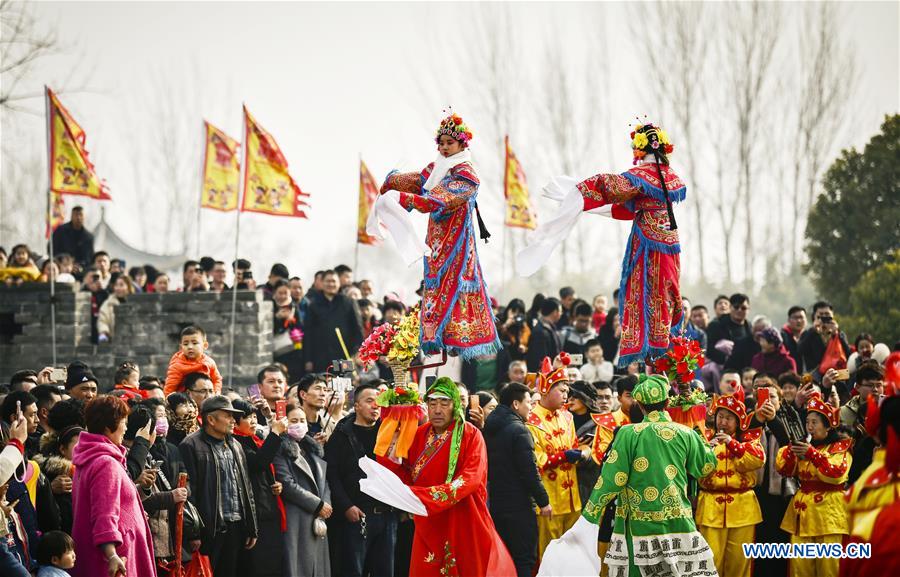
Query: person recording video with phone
x=815 y=340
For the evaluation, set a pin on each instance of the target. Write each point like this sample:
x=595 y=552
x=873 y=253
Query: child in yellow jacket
x=818 y=512
x=727 y=509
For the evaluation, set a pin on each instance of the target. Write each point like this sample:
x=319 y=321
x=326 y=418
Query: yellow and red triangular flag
x=368 y=193
x=518 y=203
x=268 y=187
x=71 y=172
x=221 y=171
x=57 y=212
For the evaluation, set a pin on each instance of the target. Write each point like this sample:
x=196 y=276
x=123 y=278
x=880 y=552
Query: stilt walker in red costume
x=456 y=311
x=649 y=295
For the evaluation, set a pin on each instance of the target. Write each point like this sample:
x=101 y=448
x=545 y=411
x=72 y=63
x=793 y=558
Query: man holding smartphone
x=815 y=339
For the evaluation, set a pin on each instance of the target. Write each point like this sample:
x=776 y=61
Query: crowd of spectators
x=90 y=476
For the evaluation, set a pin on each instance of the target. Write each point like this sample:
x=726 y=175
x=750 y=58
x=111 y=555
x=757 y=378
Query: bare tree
x=571 y=109
x=828 y=74
x=22 y=44
x=751 y=34
x=678 y=61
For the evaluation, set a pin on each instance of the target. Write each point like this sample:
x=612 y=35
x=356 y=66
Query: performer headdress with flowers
x=649 y=139
x=454 y=127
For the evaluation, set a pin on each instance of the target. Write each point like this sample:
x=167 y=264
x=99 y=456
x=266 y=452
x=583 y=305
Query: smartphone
x=280 y=409
x=762 y=395
x=58 y=375
x=253 y=391
x=577 y=360
x=474 y=402
x=18 y=410
x=842 y=375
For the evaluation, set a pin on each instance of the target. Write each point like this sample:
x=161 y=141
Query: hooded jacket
x=107 y=509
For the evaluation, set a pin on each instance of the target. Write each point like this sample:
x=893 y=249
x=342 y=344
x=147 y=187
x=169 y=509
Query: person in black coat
x=732 y=326
x=219 y=487
x=814 y=340
x=370 y=550
x=330 y=310
x=514 y=483
x=73 y=239
x=264 y=560
x=544 y=341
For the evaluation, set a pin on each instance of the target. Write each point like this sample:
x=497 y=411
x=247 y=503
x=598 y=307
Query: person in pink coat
x=109 y=528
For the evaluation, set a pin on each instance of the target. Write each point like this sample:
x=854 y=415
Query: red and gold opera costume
x=554 y=434
x=817 y=513
x=649 y=294
x=727 y=510
x=458 y=537
x=873 y=501
x=456 y=311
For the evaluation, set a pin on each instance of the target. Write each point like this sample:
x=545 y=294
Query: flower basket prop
x=684 y=357
x=401 y=403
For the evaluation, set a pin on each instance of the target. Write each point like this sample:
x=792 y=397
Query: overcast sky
x=333 y=82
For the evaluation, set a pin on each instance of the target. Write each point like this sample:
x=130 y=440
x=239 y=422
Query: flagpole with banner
x=368 y=193
x=237 y=244
x=50 y=221
x=519 y=213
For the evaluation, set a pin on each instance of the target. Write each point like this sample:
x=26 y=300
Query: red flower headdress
x=454 y=127
x=649 y=139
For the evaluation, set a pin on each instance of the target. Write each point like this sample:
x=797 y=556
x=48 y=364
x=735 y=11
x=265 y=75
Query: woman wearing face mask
x=184 y=417
x=264 y=560
x=300 y=467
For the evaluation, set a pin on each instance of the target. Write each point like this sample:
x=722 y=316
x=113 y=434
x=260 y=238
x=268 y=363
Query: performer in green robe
x=647 y=467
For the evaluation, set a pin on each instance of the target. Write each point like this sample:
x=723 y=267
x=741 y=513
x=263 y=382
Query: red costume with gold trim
x=456 y=311
x=873 y=501
x=649 y=291
x=458 y=537
x=817 y=512
x=727 y=509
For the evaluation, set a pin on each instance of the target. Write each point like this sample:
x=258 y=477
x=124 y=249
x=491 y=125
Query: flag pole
x=505 y=201
x=237 y=243
x=200 y=204
x=52 y=278
x=356 y=241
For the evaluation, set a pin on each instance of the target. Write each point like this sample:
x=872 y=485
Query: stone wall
x=146 y=331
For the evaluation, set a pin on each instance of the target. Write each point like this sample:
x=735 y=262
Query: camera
x=826 y=320
x=519 y=319
x=342 y=367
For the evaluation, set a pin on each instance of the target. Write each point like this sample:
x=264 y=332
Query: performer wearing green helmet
x=647 y=467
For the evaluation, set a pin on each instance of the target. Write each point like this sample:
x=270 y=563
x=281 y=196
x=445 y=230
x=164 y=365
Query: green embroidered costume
x=647 y=467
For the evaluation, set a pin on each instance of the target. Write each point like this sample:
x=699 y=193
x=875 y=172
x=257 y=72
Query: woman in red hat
x=818 y=512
